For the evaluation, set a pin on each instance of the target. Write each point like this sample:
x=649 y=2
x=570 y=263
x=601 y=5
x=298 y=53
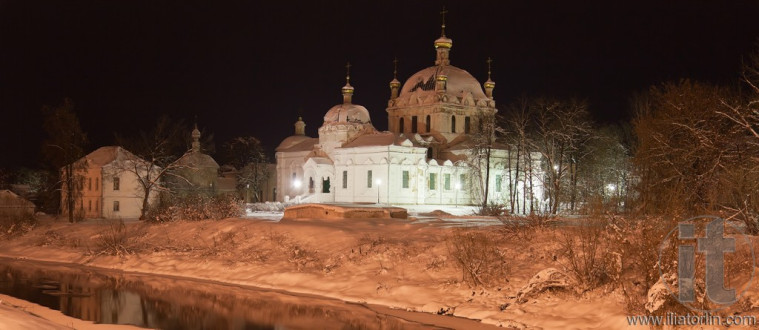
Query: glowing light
x=611 y=187
x=379 y=181
x=458 y=186
x=296 y=183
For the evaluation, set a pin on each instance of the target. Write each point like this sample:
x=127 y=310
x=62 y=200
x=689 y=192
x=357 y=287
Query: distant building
x=196 y=172
x=424 y=158
x=12 y=205
x=107 y=189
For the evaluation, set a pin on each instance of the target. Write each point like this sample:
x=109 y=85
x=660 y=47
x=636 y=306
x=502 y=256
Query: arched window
x=428 y=124
x=400 y=125
x=453 y=124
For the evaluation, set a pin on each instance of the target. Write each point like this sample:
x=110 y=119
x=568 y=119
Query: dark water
x=171 y=303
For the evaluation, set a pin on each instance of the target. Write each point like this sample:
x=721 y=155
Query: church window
x=400 y=125
x=89 y=184
x=428 y=124
x=310 y=184
x=413 y=124
x=97 y=183
x=369 y=178
x=325 y=186
x=462 y=180
x=115 y=206
x=447 y=181
x=97 y=201
x=89 y=205
x=405 y=179
x=345 y=179
x=467 y=122
x=498 y=182
x=433 y=181
x=116 y=183
x=453 y=124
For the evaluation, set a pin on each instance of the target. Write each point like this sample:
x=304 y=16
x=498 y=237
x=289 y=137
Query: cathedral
x=424 y=158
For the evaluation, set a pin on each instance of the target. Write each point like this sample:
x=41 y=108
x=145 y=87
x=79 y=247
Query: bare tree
x=247 y=156
x=684 y=148
x=483 y=139
x=515 y=125
x=63 y=148
x=560 y=129
x=155 y=156
x=745 y=175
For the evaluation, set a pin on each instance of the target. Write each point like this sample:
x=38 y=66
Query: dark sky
x=249 y=67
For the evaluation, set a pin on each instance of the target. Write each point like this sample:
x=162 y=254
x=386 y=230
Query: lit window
x=433 y=181
x=369 y=179
x=116 y=183
x=447 y=181
x=405 y=179
x=115 y=206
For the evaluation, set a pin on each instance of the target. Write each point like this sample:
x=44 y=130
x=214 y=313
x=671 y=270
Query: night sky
x=251 y=67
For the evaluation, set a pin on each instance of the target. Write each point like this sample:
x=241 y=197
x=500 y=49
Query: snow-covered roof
x=9 y=198
x=459 y=82
x=347 y=113
x=198 y=159
x=380 y=139
x=107 y=155
x=298 y=143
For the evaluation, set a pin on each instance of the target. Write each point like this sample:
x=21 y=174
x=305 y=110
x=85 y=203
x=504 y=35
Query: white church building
x=422 y=159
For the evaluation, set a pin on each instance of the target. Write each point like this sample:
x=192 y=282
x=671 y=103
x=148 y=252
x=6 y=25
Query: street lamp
x=379 y=182
x=247 y=193
x=458 y=187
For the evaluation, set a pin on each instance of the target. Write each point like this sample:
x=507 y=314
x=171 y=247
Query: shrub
x=119 y=240
x=16 y=225
x=481 y=262
x=196 y=207
x=591 y=262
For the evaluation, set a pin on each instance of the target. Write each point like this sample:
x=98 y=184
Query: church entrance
x=325 y=186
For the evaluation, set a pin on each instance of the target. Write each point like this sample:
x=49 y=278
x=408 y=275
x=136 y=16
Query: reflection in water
x=168 y=303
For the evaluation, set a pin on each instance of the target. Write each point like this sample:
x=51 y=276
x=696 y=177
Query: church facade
x=426 y=156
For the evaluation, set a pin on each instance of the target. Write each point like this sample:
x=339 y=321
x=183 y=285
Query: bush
x=494 y=209
x=590 y=261
x=481 y=262
x=196 y=207
x=118 y=240
x=16 y=225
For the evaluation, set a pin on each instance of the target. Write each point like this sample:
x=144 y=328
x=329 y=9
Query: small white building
x=422 y=159
x=107 y=189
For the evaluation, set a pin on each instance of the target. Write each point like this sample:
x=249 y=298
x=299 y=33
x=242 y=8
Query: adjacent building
x=108 y=185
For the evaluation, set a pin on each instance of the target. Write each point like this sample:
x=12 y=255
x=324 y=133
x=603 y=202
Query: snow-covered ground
x=401 y=264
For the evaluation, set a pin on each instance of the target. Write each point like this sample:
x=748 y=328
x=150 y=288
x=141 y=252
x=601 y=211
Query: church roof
x=380 y=139
x=297 y=143
x=198 y=160
x=347 y=113
x=459 y=82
